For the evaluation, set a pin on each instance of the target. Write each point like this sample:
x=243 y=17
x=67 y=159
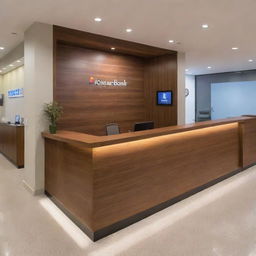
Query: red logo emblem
x=91 y=80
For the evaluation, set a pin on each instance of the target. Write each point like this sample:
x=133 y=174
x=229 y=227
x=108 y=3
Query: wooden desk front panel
x=135 y=176
x=248 y=136
x=68 y=177
x=12 y=143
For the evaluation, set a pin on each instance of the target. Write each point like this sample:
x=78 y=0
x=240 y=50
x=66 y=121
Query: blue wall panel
x=233 y=99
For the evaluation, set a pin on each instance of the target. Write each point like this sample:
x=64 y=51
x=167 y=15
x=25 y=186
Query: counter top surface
x=98 y=141
x=16 y=125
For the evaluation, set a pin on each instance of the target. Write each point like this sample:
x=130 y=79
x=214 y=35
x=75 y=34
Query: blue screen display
x=164 y=98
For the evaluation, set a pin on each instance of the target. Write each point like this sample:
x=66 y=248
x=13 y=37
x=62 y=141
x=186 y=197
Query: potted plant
x=53 y=112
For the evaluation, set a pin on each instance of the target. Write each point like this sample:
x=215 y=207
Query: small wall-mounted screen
x=164 y=97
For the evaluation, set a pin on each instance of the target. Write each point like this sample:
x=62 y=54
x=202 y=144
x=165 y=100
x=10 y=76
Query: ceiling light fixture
x=171 y=41
x=1 y=48
x=1 y=71
x=98 y=19
x=113 y=48
x=186 y=69
x=209 y=67
x=128 y=30
x=11 y=65
x=250 y=60
x=18 y=61
x=205 y=26
x=235 y=48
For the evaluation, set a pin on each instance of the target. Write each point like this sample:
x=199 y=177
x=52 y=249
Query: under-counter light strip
x=65 y=223
x=135 y=234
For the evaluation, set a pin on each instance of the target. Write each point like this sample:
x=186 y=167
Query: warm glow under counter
x=105 y=183
x=91 y=141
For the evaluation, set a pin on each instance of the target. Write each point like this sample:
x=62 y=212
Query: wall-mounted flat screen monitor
x=164 y=98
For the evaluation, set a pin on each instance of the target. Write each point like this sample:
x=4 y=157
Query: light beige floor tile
x=218 y=221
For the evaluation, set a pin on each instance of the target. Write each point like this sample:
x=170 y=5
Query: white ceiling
x=154 y=22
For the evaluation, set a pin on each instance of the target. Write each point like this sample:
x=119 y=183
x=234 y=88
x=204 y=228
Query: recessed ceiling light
x=1 y=48
x=128 y=30
x=4 y=68
x=205 y=26
x=171 y=41
x=11 y=65
x=98 y=19
x=186 y=69
x=250 y=60
x=112 y=48
x=18 y=61
x=209 y=67
x=1 y=71
x=235 y=48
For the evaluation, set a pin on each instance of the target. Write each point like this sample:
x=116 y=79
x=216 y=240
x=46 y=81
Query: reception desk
x=105 y=183
x=12 y=143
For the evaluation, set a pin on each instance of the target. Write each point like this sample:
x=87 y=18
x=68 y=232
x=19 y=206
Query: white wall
x=38 y=89
x=190 y=99
x=12 y=106
x=181 y=88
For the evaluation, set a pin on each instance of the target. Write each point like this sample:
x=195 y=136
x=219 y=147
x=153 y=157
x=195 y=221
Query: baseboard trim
x=98 y=234
x=31 y=190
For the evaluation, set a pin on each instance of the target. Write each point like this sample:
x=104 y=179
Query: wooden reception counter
x=105 y=183
x=12 y=143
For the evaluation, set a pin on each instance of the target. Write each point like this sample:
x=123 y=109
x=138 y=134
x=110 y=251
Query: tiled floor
x=218 y=221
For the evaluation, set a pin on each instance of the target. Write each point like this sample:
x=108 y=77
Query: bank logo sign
x=16 y=93
x=99 y=82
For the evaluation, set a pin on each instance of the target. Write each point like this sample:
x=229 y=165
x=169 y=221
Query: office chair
x=112 y=129
x=204 y=115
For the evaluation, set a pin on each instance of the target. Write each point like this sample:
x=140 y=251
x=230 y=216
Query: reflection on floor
x=218 y=221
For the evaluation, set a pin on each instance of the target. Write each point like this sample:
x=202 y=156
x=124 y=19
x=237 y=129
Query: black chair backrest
x=143 y=126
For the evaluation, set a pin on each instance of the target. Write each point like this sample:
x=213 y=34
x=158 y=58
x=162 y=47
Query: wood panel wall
x=89 y=108
x=160 y=75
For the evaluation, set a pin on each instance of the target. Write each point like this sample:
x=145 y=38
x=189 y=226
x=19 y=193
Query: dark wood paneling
x=79 y=55
x=106 y=185
x=12 y=143
x=68 y=177
x=88 y=108
x=104 y=43
x=161 y=74
x=248 y=142
x=134 y=176
x=91 y=141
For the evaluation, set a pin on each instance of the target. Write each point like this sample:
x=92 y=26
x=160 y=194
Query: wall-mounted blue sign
x=16 y=93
